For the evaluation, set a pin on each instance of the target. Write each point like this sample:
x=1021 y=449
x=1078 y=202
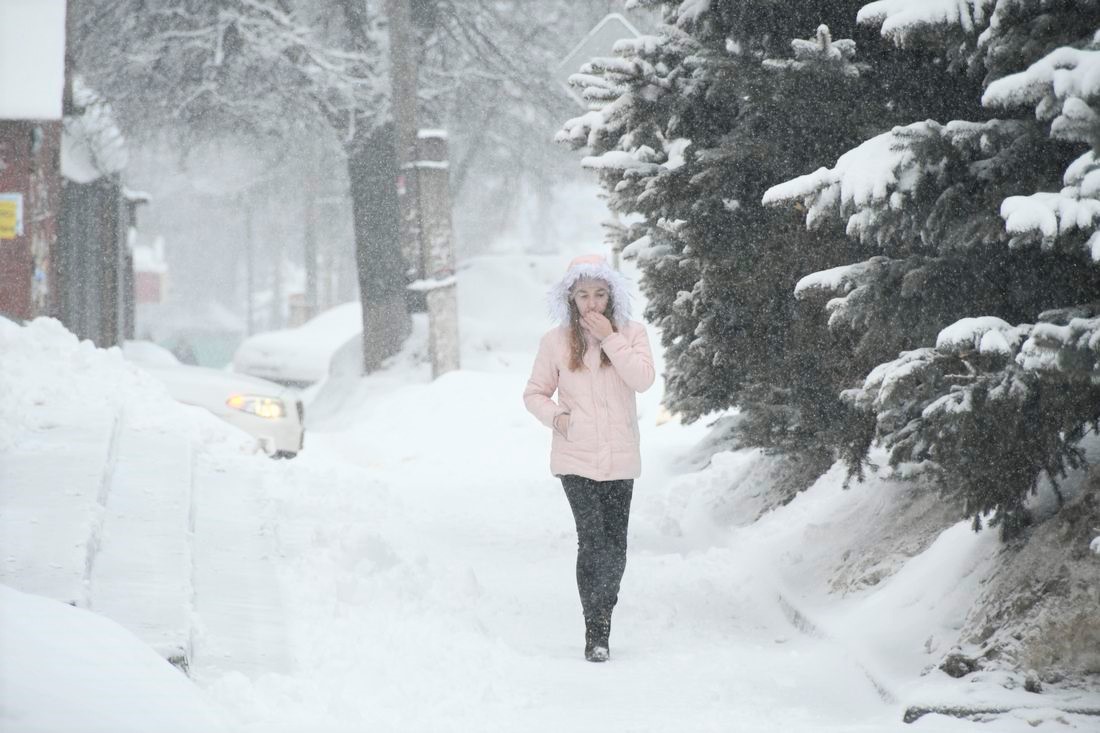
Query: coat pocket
x=568 y=427
x=582 y=428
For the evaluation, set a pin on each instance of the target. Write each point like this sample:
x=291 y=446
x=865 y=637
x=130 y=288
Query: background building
x=32 y=77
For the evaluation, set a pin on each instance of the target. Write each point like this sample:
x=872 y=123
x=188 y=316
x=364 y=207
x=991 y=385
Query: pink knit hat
x=590 y=267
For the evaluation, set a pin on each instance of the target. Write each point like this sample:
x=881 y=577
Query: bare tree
x=267 y=69
x=278 y=70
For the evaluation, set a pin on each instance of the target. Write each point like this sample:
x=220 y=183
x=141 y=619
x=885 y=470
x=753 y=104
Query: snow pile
x=49 y=378
x=1037 y=610
x=92 y=146
x=302 y=354
x=66 y=669
x=76 y=427
x=886 y=573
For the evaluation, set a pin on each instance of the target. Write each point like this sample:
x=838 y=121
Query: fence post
x=437 y=250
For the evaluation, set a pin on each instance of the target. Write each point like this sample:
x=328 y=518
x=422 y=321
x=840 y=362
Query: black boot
x=596 y=633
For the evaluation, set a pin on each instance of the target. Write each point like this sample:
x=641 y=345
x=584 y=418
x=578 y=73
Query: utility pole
x=309 y=243
x=403 y=81
x=67 y=106
x=423 y=189
x=249 y=263
x=438 y=258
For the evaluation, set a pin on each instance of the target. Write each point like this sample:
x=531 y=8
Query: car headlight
x=269 y=407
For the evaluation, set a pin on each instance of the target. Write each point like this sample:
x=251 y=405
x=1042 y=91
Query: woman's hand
x=597 y=325
x=561 y=424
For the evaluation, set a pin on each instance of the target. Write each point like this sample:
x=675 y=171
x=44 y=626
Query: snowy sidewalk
x=132 y=524
x=428 y=585
x=109 y=528
x=237 y=599
x=51 y=504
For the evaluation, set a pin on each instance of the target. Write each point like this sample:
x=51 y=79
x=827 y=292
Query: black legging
x=601 y=510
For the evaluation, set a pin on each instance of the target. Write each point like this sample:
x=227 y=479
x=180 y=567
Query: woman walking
x=596 y=360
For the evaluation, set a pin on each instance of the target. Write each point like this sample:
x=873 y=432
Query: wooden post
x=438 y=259
x=403 y=81
x=249 y=264
x=309 y=233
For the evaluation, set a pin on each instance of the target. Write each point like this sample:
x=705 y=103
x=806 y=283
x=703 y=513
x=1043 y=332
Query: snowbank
x=67 y=669
x=50 y=378
x=300 y=355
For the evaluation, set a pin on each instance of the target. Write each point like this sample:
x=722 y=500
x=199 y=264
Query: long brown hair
x=577 y=343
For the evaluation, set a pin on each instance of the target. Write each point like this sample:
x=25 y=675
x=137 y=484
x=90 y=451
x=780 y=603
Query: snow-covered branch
x=878 y=173
x=1062 y=86
x=819 y=50
x=230 y=64
x=902 y=20
x=1048 y=216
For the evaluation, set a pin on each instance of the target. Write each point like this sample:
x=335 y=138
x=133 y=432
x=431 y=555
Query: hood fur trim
x=595 y=268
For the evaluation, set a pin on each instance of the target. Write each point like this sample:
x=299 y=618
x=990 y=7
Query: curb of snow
x=805 y=625
x=916 y=712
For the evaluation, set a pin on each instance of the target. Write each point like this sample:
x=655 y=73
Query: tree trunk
x=372 y=170
x=309 y=235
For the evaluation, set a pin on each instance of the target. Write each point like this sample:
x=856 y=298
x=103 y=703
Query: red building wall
x=30 y=164
x=148 y=287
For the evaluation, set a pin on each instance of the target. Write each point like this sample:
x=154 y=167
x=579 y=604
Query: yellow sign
x=11 y=215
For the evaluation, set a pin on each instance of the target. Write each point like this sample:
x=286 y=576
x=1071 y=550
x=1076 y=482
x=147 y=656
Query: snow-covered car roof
x=300 y=355
x=148 y=354
x=195 y=385
x=209 y=388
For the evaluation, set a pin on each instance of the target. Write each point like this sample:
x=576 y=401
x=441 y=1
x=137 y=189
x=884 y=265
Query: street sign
x=11 y=215
x=599 y=42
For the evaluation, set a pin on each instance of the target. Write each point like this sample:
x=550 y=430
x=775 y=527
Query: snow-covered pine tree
x=994 y=219
x=697 y=121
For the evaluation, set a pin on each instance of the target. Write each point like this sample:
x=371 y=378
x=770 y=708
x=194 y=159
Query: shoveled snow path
x=428 y=576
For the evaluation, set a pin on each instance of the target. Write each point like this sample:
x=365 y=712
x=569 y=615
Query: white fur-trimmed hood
x=593 y=267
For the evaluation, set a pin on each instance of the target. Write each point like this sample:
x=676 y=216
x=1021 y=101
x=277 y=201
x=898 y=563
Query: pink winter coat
x=602 y=440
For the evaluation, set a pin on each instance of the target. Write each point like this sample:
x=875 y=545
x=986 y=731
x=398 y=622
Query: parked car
x=270 y=412
x=300 y=356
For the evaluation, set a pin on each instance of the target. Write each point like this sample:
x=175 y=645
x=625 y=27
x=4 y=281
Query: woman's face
x=591 y=295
